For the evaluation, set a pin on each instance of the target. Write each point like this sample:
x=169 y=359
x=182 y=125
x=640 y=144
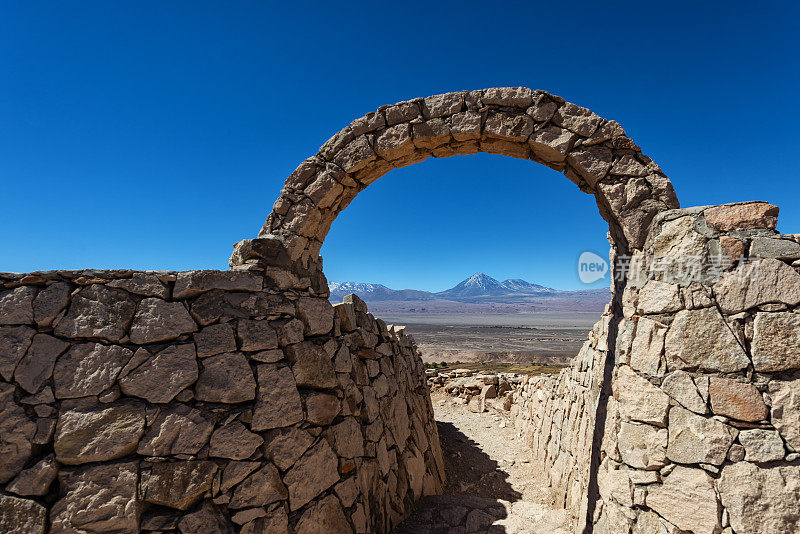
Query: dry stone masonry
x=699 y=428
x=242 y=401
x=205 y=401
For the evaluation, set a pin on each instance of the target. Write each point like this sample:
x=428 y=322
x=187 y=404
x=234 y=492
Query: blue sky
x=157 y=134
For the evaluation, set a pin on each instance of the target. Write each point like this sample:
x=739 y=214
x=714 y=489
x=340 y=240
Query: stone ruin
x=211 y=401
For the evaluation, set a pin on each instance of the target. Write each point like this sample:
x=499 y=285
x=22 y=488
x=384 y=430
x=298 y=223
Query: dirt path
x=492 y=485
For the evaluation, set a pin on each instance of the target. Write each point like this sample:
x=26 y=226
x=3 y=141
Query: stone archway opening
x=630 y=190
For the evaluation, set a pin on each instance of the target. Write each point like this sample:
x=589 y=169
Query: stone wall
x=206 y=401
x=698 y=428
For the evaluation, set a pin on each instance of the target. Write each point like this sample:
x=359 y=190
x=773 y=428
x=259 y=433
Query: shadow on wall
x=469 y=470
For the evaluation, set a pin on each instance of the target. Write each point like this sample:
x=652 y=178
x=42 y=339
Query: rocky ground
x=491 y=484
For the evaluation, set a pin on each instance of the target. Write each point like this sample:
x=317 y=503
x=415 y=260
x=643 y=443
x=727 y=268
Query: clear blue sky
x=156 y=134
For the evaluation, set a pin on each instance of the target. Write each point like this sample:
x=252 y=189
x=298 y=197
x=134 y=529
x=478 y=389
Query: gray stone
x=97 y=311
x=762 y=445
x=286 y=445
x=158 y=320
x=193 y=283
x=99 y=434
x=696 y=439
x=14 y=342
x=21 y=516
x=769 y=247
x=16 y=305
x=761 y=282
x=234 y=441
x=316 y=314
x=760 y=499
x=687 y=500
x=162 y=376
x=36 y=367
x=256 y=335
x=142 y=284
x=316 y=471
x=88 y=369
x=278 y=401
x=642 y=446
x=49 y=303
x=261 y=488
x=177 y=484
x=776 y=338
x=35 y=480
x=737 y=400
x=324 y=516
x=215 y=339
x=701 y=339
x=311 y=365
x=785 y=411
x=680 y=386
x=100 y=498
x=176 y=430
x=551 y=143
x=639 y=399
x=226 y=378
x=16 y=434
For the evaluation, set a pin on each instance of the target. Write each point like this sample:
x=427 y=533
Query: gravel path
x=492 y=485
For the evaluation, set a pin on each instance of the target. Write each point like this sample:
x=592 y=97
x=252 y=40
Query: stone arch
x=594 y=153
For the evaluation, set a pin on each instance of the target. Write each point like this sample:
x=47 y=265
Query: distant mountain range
x=479 y=288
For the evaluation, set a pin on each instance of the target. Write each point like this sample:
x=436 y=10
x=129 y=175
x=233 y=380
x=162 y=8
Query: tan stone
x=647 y=348
x=762 y=445
x=234 y=441
x=261 y=488
x=36 y=367
x=286 y=445
x=14 y=341
x=100 y=498
x=316 y=471
x=16 y=434
x=35 y=480
x=176 y=430
x=88 y=369
x=99 y=434
x=551 y=143
x=578 y=119
x=659 y=297
x=642 y=446
x=316 y=314
x=161 y=377
x=737 y=400
x=225 y=378
x=758 y=283
x=177 y=484
x=592 y=162
x=680 y=386
x=21 y=516
x=696 y=439
x=97 y=311
x=785 y=411
x=16 y=305
x=701 y=339
x=324 y=516
x=215 y=339
x=311 y=365
x=776 y=342
x=742 y=216
x=639 y=399
x=760 y=499
x=687 y=499
x=277 y=400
